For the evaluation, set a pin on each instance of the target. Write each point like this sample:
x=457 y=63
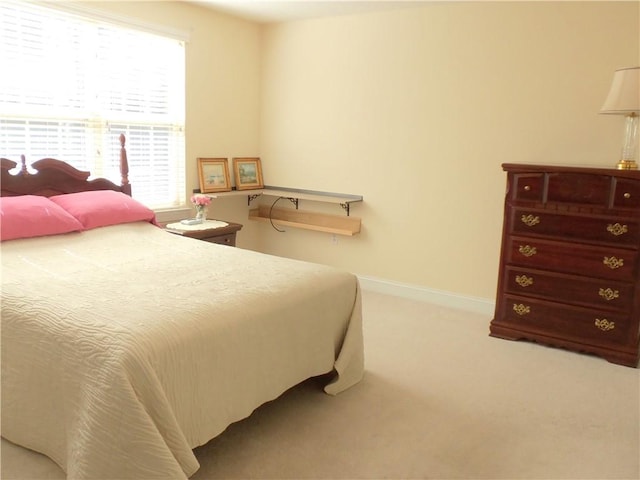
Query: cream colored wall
x=416 y=109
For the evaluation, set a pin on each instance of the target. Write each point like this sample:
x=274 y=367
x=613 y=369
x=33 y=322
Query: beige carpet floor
x=440 y=400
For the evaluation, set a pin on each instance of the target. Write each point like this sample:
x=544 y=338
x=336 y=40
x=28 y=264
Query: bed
x=124 y=347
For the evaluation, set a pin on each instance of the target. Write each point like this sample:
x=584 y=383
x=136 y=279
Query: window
x=71 y=84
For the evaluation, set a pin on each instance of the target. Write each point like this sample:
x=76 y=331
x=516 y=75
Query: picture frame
x=248 y=173
x=213 y=174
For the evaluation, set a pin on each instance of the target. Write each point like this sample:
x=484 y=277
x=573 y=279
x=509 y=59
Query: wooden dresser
x=570 y=260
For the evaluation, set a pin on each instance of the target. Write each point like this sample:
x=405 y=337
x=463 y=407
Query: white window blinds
x=71 y=85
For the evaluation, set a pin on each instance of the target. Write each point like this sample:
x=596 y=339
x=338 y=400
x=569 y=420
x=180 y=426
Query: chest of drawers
x=570 y=260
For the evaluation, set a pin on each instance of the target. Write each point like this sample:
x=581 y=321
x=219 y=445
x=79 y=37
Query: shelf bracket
x=251 y=198
x=346 y=207
x=294 y=201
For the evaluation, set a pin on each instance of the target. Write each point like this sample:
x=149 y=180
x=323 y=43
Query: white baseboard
x=439 y=297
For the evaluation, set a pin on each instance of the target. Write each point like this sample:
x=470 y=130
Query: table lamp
x=624 y=99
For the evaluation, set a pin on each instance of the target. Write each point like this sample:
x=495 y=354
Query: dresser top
x=524 y=168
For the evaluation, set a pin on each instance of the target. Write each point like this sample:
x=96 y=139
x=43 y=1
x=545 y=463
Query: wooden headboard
x=55 y=177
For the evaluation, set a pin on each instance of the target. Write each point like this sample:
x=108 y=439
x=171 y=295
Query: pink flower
x=200 y=200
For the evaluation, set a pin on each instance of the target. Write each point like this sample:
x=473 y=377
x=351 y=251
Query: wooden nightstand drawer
x=572 y=323
x=228 y=239
x=598 y=262
x=615 y=231
x=572 y=289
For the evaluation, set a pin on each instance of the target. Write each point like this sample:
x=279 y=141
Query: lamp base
x=627 y=165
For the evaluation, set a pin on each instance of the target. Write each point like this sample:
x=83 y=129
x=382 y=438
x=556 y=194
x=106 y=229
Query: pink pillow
x=104 y=207
x=27 y=216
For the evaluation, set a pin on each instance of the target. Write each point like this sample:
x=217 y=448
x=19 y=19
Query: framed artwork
x=248 y=173
x=214 y=175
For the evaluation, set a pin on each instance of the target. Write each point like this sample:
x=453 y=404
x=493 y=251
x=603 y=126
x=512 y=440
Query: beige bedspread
x=124 y=347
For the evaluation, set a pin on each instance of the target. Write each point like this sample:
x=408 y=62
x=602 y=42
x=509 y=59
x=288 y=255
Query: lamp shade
x=624 y=95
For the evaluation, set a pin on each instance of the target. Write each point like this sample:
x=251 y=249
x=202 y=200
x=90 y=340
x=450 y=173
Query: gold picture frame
x=213 y=174
x=248 y=173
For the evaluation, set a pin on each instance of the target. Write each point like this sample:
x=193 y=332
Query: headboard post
x=124 y=163
x=124 y=167
x=23 y=167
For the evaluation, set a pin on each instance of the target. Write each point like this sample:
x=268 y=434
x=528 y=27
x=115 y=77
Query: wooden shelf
x=295 y=194
x=339 y=225
x=319 y=222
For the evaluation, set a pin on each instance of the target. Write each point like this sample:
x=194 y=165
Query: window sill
x=172 y=214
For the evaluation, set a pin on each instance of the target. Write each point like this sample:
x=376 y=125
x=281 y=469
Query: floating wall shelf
x=295 y=195
x=340 y=225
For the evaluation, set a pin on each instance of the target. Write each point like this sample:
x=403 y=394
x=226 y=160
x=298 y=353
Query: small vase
x=201 y=214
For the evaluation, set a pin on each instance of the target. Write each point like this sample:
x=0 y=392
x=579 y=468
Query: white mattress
x=124 y=347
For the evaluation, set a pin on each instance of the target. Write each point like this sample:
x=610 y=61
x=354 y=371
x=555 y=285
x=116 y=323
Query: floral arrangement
x=201 y=202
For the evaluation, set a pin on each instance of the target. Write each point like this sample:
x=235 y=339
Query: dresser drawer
x=576 y=324
x=627 y=193
x=570 y=289
x=579 y=188
x=598 y=262
x=527 y=187
x=616 y=231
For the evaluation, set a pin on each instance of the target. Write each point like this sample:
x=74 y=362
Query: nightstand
x=211 y=231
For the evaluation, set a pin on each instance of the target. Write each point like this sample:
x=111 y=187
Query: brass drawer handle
x=613 y=262
x=608 y=294
x=527 y=250
x=627 y=195
x=527 y=188
x=524 y=281
x=521 y=309
x=605 y=325
x=617 y=229
x=530 y=220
